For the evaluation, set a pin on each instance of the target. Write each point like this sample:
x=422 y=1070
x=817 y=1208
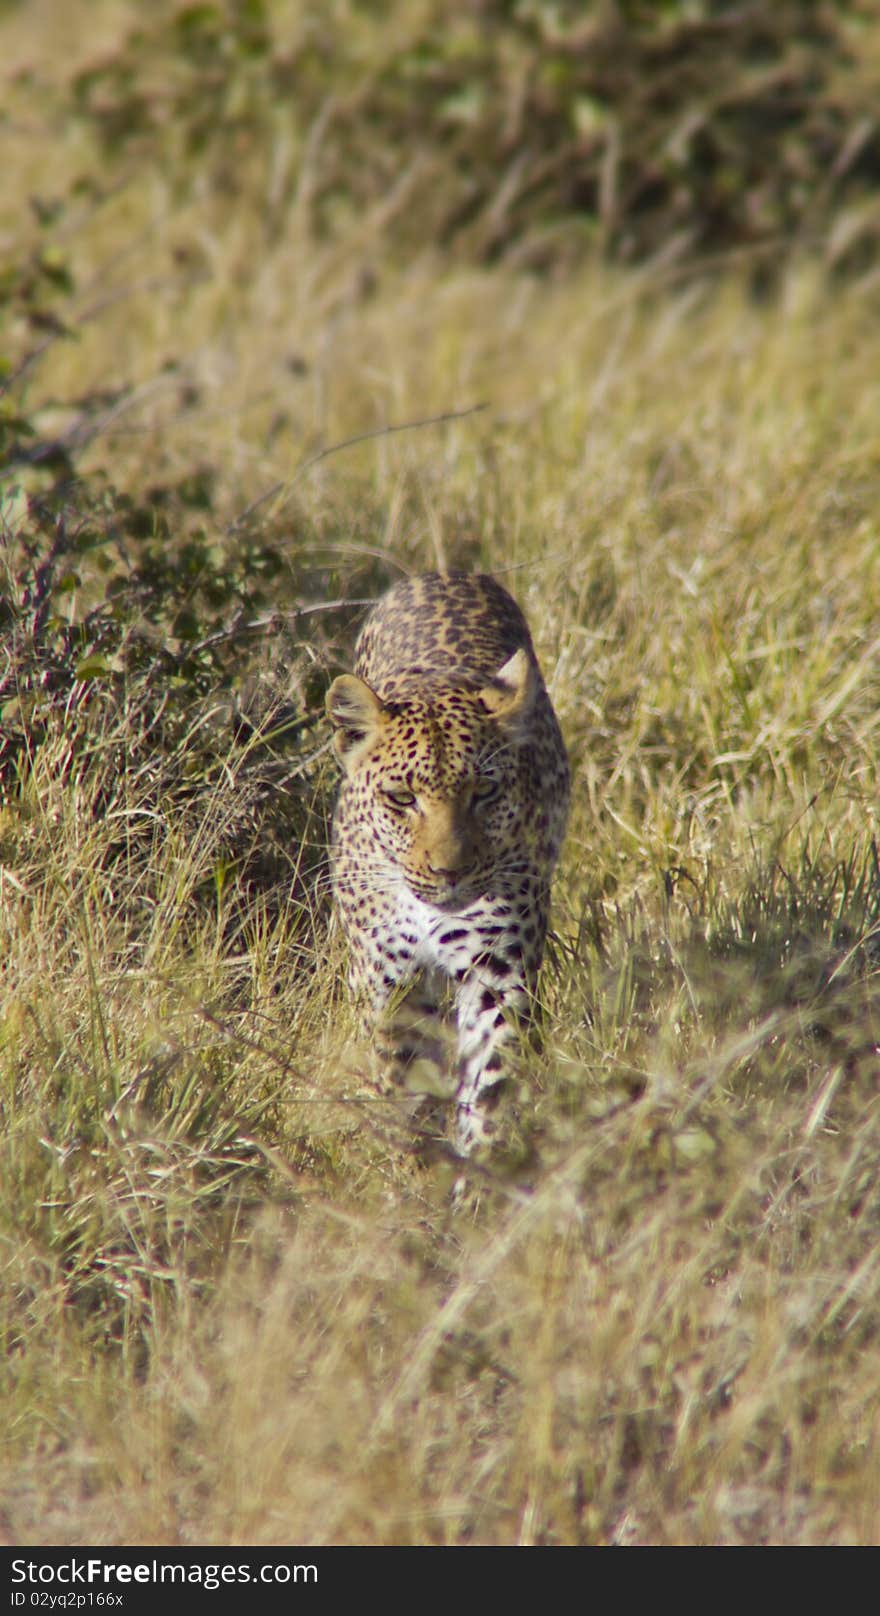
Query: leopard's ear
x=511 y=695
x=357 y=715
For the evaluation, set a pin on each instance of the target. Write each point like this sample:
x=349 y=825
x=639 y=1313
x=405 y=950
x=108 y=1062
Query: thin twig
x=273 y=621
x=348 y=443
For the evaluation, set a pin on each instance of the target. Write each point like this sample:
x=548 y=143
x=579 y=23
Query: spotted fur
x=450 y=817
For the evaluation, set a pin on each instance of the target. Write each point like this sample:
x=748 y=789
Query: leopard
x=454 y=796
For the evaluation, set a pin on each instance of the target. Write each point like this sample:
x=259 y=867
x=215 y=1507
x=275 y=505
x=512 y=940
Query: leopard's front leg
x=492 y=1000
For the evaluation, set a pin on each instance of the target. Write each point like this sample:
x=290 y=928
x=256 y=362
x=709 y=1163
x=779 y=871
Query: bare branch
x=348 y=443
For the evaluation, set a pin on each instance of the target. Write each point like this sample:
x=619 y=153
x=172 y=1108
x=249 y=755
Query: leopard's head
x=440 y=781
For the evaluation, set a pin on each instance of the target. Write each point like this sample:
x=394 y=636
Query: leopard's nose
x=451 y=857
x=452 y=872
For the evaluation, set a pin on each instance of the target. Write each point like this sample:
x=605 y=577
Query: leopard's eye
x=485 y=789
x=400 y=799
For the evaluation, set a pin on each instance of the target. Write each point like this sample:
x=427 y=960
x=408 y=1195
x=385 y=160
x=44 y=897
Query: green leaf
x=93 y=666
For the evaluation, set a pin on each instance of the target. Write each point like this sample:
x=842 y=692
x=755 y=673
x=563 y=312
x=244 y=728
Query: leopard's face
x=441 y=795
x=439 y=790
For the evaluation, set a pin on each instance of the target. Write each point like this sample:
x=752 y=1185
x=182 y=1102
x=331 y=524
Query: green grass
x=234 y=1307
